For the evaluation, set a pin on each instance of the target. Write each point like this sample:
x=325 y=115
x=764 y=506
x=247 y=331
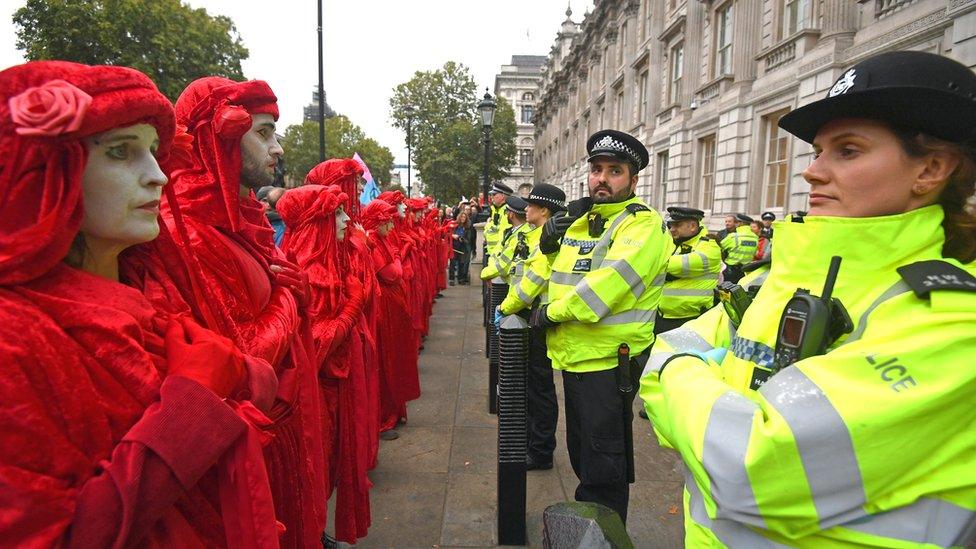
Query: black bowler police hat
x=914 y=90
x=679 y=213
x=619 y=145
x=500 y=188
x=743 y=218
x=768 y=216
x=515 y=205
x=547 y=196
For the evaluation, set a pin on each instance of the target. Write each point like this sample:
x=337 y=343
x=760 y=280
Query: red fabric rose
x=232 y=121
x=55 y=108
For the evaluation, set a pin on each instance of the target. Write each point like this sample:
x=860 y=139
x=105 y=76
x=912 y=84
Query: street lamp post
x=321 y=93
x=487 y=109
x=409 y=110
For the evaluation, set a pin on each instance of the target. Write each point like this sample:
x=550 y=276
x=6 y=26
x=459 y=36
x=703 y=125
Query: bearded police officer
x=692 y=270
x=528 y=287
x=604 y=292
x=738 y=248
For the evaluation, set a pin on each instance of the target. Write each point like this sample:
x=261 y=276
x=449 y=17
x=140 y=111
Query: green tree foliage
x=169 y=41
x=342 y=140
x=447 y=137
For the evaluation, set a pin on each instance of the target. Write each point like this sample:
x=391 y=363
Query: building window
x=527 y=112
x=528 y=96
x=606 y=61
x=706 y=151
x=642 y=100
x=525 y=158
x=796 y=16
x=677 y=62
x=776 y=167
x=662 y=178
x=723 y=40
x=623 y=44
x=645 y=22
x=620 y=109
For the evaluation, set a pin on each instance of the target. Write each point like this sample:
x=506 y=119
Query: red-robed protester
x=222 y=265
x=315 y=226
x=418 y=250
x=399 y=378
x=116 y=431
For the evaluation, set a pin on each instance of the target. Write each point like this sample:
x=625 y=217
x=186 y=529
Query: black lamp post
x=487 y=109
x=409 y=110
x=321 y=92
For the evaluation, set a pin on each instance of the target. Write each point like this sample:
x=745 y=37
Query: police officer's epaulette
x=705 y=238
x=635 y=207
x=924 y=277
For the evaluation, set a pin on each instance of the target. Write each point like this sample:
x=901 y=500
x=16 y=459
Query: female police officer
x=870 y=442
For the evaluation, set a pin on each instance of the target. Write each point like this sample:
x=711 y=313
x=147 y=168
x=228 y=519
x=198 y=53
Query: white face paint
x=342 y=220
x=121 y=187
x=402 y=210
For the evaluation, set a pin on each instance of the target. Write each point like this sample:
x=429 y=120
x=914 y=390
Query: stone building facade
x=703 y=83
x=518 y=83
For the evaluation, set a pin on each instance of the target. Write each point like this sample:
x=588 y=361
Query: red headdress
x=392 y=197
x=46 y=107
x=415 y=204
x=217 y=113
x=376 y=213
x=344 y=172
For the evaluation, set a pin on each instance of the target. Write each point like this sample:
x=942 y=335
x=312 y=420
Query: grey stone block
x=576 y=525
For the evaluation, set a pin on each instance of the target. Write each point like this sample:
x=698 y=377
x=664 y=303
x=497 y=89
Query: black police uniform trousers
x=596 y=416
x=543 y=407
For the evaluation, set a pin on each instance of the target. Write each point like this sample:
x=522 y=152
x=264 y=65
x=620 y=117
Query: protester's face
x=729 y=223
x=462 y=218
x=610 y=180
x=260 y=152
x=342 y=220
x=861 y=170
x=756 y=227
x=418 y=215
x=360 y=185
x=536 y=215
x=402 y=210
x=684 y=229
x=121 y=187
x=467 y=210
x=384 y=228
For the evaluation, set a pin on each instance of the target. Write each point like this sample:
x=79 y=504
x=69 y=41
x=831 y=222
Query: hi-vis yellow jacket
x=529 y=277
x=871 y=444
x=500 y=263
x=495 y=228
x=605 y=290
x=692 y=275
x=739 y=246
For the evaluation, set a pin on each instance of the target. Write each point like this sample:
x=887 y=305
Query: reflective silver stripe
x=569 y=279
x=679 y=292
x=602 y=246
x=732 y=534
x=896 y=290
x=633 y=315
x=659 y=280
x=593 y=301
x=704 y=259
x=522 y=295
x=927 y=521
x=724 y=458
x=654 y=362
x=629 y=275
x=824 y=444
x=536 y=279
x=685 y=339
x=685 y=265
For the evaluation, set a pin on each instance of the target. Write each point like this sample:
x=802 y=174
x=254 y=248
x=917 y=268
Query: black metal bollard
x=498 y=292
x=513 y=358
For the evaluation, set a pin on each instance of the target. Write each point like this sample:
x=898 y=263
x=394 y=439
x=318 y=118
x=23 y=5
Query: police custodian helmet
x=907 y=89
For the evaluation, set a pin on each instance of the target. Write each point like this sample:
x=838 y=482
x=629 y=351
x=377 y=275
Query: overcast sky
x=370 y=47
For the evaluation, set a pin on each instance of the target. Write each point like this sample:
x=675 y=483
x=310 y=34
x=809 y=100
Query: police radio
x=810 y=324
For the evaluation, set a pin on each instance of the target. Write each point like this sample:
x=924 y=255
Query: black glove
x=668 y=277
x=553 y=231
x=540 y=319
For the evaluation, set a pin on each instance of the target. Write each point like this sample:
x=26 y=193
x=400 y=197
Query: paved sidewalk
x=435 y=486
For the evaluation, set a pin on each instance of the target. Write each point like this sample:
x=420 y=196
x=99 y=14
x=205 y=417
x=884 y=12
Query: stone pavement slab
x=435 y=486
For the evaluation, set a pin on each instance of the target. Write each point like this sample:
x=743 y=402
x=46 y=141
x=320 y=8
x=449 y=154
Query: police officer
x=738 y=248
x=527 y=290
x=604 y=291
x=497 y=219
x=871 y=441
x=692 y=271
x=499 y=263
x=767 y=221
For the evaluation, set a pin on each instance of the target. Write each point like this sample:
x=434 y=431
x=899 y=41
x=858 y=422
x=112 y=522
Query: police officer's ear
x=633 y=176
x=936 y=168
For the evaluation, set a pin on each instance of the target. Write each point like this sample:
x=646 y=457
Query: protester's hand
x=262 y=384
x=540 y=318
x=209 y=359
x=290 y=275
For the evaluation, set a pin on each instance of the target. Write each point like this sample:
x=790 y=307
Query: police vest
x=499 y=263
x=495 y=227
x=692 y=275
x=605 y=286
x=740 y=246
x=870 y=444
x=529 y=278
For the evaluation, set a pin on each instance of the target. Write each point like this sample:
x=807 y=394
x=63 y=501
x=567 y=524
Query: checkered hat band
x=609 y=144
x=546 y=199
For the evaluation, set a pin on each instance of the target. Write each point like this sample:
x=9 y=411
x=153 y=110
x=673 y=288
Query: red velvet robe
x=99 y=447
